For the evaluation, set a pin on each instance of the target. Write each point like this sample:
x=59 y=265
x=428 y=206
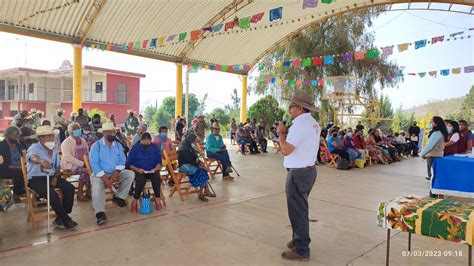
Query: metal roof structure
x=128 y=21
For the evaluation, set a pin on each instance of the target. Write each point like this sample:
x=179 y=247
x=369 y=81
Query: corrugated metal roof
x=124 y=21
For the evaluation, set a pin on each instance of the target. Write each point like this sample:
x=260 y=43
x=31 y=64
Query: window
x=122 y=93
x=13 y=113
x=31 y=88
x=2 y=89
x=11 y=92
x=98 y=87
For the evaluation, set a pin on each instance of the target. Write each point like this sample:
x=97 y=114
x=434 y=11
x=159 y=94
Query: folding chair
x=368 y=159
x=37 y=208
x=108 y=192
x=181 y=183
x=212 y=166
x=328 y=156
x=247 y=149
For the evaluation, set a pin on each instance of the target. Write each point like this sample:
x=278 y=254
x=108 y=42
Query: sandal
x=210 y=194
x=134 y=207
x=158 y=204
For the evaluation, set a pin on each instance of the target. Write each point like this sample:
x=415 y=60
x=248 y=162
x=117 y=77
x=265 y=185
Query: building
x=109 y=90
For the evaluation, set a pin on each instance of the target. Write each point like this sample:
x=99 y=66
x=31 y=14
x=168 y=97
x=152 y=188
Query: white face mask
x=49 y=145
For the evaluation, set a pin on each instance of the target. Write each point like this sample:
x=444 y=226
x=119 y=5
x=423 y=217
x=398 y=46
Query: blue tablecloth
x=453 y=176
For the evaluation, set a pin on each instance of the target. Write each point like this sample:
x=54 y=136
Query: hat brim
x=304 y=105
x=35 y=136
x=101 y=130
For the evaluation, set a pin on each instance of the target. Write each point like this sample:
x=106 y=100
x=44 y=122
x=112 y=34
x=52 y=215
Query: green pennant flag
x=138 y=45
x=225 y=68
x=373 y=53
x=261 y=67
x=292 y=82
x=182 y=36
x=261 y=79
x=306 y=62
x=422 y=74
x=194 y=67
x=326 y=1
x=244 y=23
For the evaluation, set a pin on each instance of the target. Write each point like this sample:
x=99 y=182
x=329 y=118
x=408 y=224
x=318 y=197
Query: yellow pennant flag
x=403 y=47
x=278 y=81
x=206 y=67
x=456 y=70
x=278 y=64
x=161 y=41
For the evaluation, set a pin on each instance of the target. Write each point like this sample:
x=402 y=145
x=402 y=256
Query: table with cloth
x=453 y=176
x=439 y=218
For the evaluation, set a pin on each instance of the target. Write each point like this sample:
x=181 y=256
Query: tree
x=268 y=108
x=168 y=105
x=222 y=116
x=150 y=112
x=202 y=105
x=336 y=35
x=467 y=107
x=233 y=109
x=162 y=118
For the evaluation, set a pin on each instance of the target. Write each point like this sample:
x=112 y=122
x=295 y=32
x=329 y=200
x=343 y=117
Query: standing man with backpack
x=300 y=148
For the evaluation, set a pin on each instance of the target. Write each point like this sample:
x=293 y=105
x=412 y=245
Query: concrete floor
x=246 y=224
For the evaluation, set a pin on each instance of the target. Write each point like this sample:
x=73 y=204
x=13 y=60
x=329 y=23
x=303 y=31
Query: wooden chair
x=108 y=192
x=368 y=159
x=276 y=147
x=328 y=156
x=247 y=149
x=37 y=208
x=181 y=182
x=212 y=166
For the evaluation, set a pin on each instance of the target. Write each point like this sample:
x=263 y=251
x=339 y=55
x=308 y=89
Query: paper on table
x=149 y=172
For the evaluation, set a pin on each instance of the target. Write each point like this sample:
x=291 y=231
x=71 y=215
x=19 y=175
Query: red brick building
x=109 y=90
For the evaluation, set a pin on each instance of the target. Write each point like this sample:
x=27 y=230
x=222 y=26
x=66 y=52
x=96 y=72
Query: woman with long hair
x=372 y=143
x=451 y=146
x=438 y=137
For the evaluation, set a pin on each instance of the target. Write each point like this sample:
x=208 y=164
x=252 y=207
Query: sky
x=390 y=28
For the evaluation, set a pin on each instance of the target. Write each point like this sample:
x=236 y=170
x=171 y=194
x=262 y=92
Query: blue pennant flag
x=276 y=14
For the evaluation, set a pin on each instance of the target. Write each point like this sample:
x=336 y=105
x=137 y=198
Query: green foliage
x=467 y=107
x=401 y=121
x=150 y=112
x=161 y=118
x=168 y=105
x=94 y=111
x=268 y=108
x=201 y=106
x=222 y=116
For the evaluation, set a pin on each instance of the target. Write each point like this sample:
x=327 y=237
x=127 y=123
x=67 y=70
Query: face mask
x=193 y=145
x=76 y=133
x=450 y=129
x=430 y=126
x=110 y=138
x=49 y=145
x=86 y=132
x=163 y=135
x=349 y=135
x=29 y=126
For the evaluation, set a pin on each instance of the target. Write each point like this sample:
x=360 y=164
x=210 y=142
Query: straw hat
x=109 y=126
x=44 y=131
x=216 y=125
x=33 y=110
x=131 y=111
x=60 y=110
x=302 y=99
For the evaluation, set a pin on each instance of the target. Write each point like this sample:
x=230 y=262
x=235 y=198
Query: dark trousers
x=414 y=146
x=342 y=153
x=62 y=209
x=140 y=181
x=223 y=157
x=17 y=176
x=298 y=186
x=252 y=147
x=263 y=144
x=429 y=164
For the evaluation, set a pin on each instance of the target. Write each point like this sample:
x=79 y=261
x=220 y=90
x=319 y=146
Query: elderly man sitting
x=10 y=155
x=216 y=149
x=42 y=159
x=73 y=149
x=108 y=166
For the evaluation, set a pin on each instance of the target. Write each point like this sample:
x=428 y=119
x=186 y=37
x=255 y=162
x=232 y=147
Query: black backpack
x=342 y=164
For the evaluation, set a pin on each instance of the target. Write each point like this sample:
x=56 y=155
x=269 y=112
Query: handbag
x=342 y=164
x=360 y=163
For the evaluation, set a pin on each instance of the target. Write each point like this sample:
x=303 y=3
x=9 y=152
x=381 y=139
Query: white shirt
x=401 y=139
x=304 y=135
x=455 y=137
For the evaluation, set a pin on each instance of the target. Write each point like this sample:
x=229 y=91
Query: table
x=453 y=176
x=439 y=218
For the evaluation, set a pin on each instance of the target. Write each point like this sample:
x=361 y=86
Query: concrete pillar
x=178 y=108
x=243 y=104
x=77 y=78
x=19 y=84
x=89 y=89
x=27 y=86
x=61 y=89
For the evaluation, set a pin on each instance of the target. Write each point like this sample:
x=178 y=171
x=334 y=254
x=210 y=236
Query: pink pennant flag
x=144 y=44
x=359 y=55
x=437 y=39
x=433 y=73
x=230 y=25
x=297 y=63
x=387 y=50
x=257 y=17
x=299 y=82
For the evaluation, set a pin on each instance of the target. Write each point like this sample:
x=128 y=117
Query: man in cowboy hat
x=300 y=149
x=216 y=149
x=200 y=128
x=42 y=158
x=131 y=123
x=60 y=123
x=107 y=161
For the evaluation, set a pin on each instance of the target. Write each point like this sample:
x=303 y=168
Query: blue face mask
x=430 y=126
x=450 y=129
x=163 y=135
x=77 y=133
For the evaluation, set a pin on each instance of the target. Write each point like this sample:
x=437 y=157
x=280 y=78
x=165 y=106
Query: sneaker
x=58 y=223
x=101 y=218
x=69 y=224
x=120 y=202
